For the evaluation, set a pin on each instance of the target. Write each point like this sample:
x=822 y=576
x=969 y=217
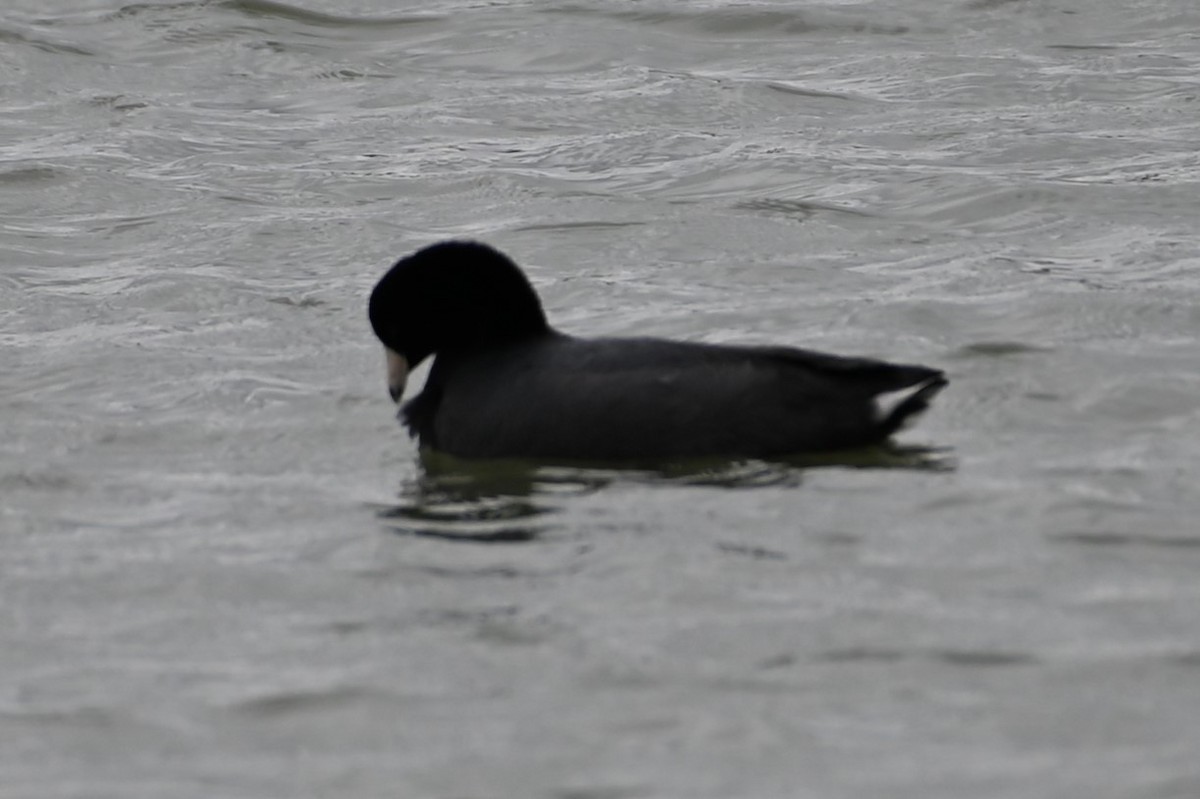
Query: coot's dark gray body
x=507 y=385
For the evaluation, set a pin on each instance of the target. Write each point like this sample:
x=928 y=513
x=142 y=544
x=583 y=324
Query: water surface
x=226 y=571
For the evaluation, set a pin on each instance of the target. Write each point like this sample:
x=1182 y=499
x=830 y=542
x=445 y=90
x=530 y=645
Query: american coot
x=506 y=384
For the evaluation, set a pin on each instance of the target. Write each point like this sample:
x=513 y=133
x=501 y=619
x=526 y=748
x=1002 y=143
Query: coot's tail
x=898 y=408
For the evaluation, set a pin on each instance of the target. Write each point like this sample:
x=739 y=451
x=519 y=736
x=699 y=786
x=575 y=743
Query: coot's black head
x=456 y=295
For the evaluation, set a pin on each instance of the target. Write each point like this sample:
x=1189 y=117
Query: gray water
x=226 y=572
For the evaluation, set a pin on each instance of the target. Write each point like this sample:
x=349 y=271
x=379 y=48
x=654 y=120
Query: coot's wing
x=864 y=374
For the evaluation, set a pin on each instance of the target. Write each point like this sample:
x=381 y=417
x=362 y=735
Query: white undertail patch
x=887 y=402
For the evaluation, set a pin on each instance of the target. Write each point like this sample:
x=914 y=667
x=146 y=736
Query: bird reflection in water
x=513 y=501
